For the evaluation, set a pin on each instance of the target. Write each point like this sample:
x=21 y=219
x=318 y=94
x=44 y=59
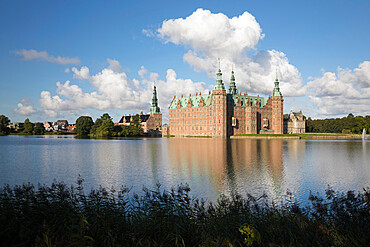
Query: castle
x=152 y=122
x=223 y=113
x=295 y=123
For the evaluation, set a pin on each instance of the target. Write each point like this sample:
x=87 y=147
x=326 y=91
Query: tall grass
x=61 y=215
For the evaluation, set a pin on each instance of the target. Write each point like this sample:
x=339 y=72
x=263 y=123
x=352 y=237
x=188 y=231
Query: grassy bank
x=323 y=136
x=65 y=216
x=47 y=133
x=266 y=136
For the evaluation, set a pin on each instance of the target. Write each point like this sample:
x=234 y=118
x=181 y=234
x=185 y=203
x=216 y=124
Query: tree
x=4 y=121
x=106 y=128
x=126 y=131
x=137 y=130
x=96 y=126
x=28 y=127
x=38 y=129
x=84 y=125
x=105 y=116
x=98 y=123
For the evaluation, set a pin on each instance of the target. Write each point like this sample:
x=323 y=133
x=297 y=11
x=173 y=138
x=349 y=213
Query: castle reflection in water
x=232 y=166
x=210 y=166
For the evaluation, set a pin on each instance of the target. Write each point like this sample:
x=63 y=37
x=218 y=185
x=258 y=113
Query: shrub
x=59 y=215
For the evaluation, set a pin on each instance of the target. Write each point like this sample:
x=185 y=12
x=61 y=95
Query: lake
x=211 y=167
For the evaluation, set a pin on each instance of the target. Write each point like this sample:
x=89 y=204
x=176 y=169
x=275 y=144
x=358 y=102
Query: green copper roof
x=154 y=109
x=207 y=100
x=232 y=95
x=232 y=88
x=244 y=99
x=276 y=88
x=219 y=84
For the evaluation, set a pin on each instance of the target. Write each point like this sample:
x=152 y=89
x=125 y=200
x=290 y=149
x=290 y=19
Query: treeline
x=345 y=125
x=28 y=127
x=104 y=127
x=60 y=215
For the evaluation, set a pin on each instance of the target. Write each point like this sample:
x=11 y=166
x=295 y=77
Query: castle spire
x=232 y=88
x=276 y=91
x=219 y=84
x=154 y=109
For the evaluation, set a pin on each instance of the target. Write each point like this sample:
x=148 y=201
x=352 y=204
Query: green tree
x=96 y=126
x=98 y=123
x=126 y=131
x=28 y=127
x=105 y=116
x=39 y=129
x=135 y=125
x=4 y=121
x=106 y=128
x=84 y=125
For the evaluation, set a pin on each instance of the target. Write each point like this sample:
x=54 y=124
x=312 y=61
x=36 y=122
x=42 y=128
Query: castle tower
x=277 y=109
x=219 y=104
x=232 y=87
x=155 y=120
x=154 y=109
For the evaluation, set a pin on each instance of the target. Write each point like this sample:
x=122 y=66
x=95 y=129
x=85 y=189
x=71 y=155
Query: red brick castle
x=223 y=113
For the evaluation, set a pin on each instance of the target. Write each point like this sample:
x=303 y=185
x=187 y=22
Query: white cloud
x=210 y=36
x=115 y=65
x=347 y=91
x=24 y=109
x=83 y=73
x=142 y=72
x=66 y=70
x=114 y=90
x=44 y=56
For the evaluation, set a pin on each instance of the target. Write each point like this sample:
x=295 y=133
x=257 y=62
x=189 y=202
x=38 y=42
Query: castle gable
x=194 y=101
x=243 y=100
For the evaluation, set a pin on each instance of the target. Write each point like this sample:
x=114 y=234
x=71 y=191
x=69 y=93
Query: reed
x=61 y=215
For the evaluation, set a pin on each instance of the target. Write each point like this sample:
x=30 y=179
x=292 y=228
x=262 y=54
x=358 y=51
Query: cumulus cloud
x=114 y=90
x=83 y=73
x=44 y=56
x=342 y=92
x=24 y=109
x=115 y=65
x=210 y=36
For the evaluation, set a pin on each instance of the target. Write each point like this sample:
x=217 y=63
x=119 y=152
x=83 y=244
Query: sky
x=64 y=59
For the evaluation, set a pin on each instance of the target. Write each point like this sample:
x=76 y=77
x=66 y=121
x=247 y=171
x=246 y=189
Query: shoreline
x=318 y=136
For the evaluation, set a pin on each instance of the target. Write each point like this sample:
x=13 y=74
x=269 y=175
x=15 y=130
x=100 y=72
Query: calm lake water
x=210 y=166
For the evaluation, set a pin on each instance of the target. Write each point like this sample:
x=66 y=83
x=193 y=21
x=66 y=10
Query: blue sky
x=111 y=52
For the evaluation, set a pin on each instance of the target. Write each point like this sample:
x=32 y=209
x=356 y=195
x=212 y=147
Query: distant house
x=48 y=126
x=152 y=122
x=16 y=126
x=149 y=122
x=62 y=124
x=71 y=127
x=296 y=123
